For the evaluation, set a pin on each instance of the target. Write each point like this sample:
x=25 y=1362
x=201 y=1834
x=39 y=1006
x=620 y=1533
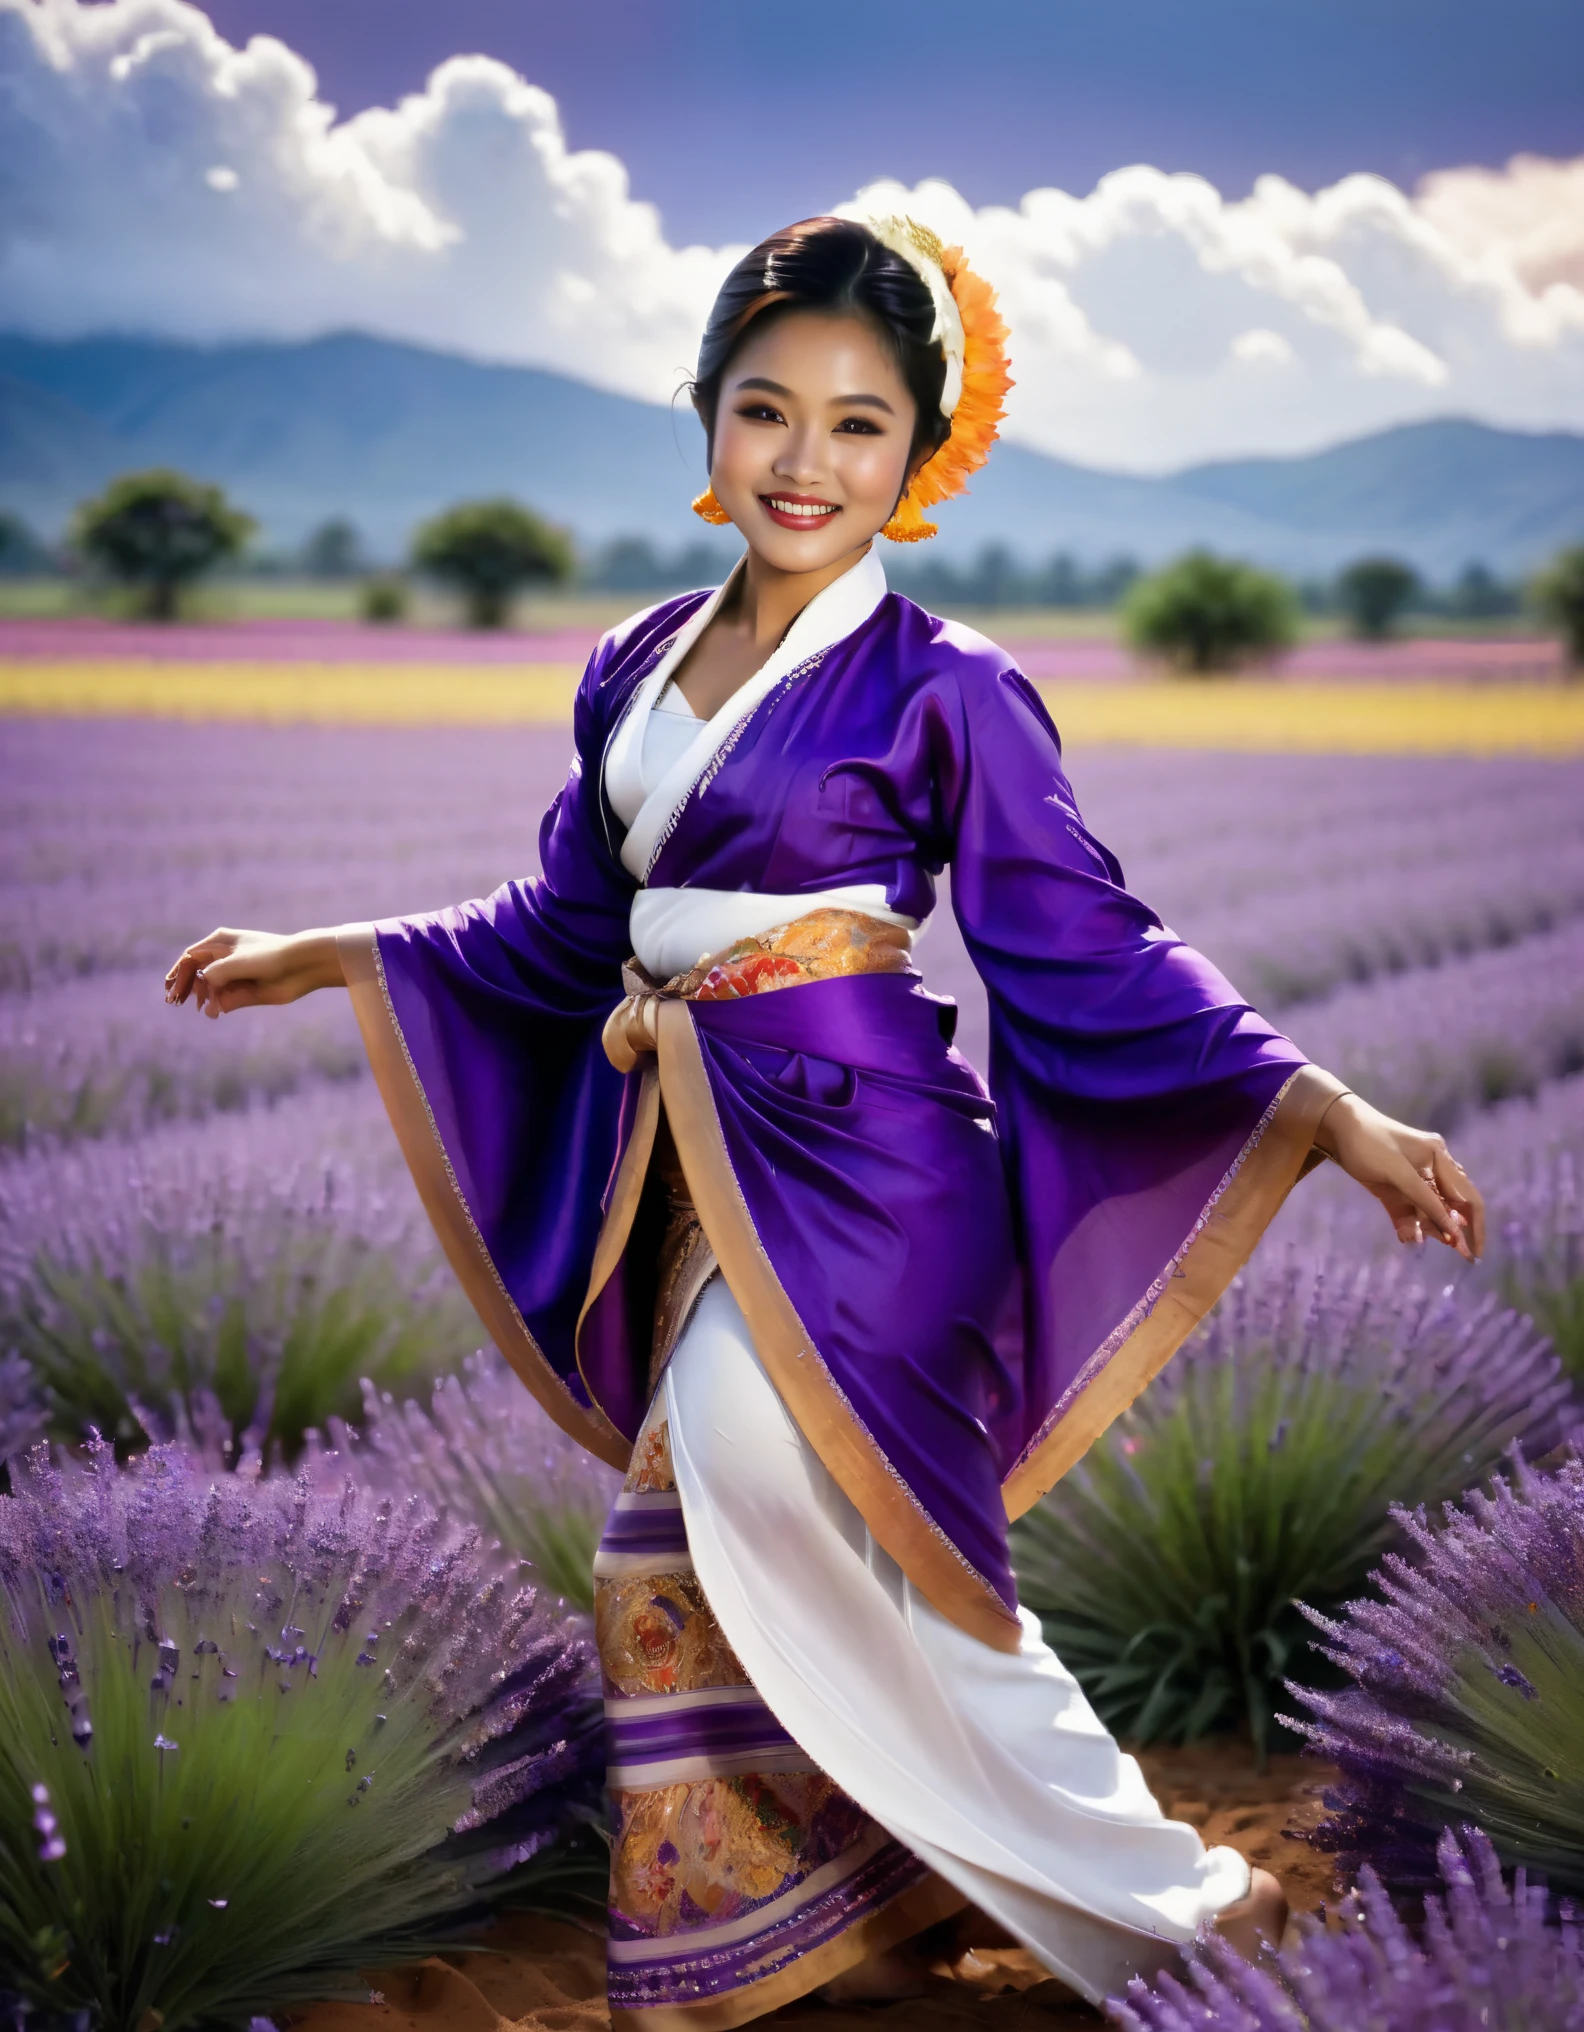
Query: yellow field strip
x=1334 y=719
x=390 y=694
x=1485 y=719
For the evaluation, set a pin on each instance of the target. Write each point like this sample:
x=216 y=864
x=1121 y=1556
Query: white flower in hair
x=922 y=251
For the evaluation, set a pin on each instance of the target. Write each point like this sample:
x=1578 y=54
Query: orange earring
x=709 y=509
x=907 y=525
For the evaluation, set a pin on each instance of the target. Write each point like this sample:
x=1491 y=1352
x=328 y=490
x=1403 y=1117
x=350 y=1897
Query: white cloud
x=153 y=178
x=1259 y=342
x=1148 y=317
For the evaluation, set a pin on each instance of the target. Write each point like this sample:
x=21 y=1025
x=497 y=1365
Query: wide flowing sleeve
x=1151 y=1121
x=482 y=1024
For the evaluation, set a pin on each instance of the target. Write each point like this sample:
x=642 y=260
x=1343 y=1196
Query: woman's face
x=811 y=438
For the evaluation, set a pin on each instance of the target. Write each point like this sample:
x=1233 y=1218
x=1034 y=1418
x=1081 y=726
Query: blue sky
x=734 y=115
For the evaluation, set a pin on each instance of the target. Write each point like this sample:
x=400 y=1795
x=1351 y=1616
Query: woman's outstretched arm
x=254 y=969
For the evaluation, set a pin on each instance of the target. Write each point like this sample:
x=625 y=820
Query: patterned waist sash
x=826 y=945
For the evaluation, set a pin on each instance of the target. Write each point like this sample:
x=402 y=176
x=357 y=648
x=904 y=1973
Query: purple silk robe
x=955 y=1285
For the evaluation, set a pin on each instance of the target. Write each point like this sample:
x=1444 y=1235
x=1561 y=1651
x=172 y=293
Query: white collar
x=843 y=606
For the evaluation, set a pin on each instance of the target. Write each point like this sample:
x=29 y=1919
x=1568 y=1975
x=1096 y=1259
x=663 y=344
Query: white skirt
x=990 y=1766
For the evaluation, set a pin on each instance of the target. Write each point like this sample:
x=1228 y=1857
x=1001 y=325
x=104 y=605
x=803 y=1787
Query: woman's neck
x=765 y=601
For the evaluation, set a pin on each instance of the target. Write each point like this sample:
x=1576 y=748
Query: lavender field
x=208 y=1241
x=1417 y=924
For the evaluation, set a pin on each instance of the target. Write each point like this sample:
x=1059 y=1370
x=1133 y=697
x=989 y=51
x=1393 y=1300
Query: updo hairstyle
x=829 y=265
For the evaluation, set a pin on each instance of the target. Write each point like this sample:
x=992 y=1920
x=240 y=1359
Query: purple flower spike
x=52 y=1844
x=1488 y=1956
x=484 y=1451
x=1465 y=1698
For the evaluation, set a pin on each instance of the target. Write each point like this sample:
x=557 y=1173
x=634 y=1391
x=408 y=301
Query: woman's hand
x=1410 y=1171
x=249 y=969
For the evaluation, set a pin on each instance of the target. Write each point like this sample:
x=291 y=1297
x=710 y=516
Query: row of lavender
x=193 y=1264
x=1324 y=890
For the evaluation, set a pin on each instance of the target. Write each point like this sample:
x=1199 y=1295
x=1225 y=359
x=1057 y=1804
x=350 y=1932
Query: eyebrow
x=765 y=386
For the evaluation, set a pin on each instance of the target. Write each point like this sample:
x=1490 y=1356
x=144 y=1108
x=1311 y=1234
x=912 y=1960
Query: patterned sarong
x=741 y=1876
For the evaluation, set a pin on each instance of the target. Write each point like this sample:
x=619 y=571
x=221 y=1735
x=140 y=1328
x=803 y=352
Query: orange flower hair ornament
x=972 y=335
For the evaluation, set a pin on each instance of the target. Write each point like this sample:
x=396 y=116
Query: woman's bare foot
x=883 y=1978
x=1257 y=1920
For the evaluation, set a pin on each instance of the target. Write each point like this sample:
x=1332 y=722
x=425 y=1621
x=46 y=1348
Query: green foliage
x=490 y=550
x=333 y=551
x=277 y=1736
x=1261 y=1470
x=1558 y=596
x=1478 y=595
x=1209 y=613
x=383 y=597
x=158 y=531
x=1372 y=593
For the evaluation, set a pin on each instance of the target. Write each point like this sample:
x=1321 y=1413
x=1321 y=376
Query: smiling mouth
x=794 y=512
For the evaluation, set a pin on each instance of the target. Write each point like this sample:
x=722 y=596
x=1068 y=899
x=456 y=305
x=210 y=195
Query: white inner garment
x=991 y=1767
x=660 y=750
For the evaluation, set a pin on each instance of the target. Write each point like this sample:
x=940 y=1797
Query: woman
x=836 y=1307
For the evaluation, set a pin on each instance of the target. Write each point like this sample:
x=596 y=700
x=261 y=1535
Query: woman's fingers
x=184 y=977
x=1461 y=1194
x=1443 y=1221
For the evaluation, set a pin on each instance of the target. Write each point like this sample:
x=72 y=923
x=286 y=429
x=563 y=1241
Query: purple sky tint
x=730 y=116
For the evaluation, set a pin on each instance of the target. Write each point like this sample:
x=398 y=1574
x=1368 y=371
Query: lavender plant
x=485 y=1451
x=256 y=1736
x=1490 y=1958
x=109 y=1057
x=1467 y=1688
x=1259 y=1471
x=247 y=1264
x=1539 y=1255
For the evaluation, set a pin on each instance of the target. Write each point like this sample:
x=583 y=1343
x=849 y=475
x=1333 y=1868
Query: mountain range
x=385 y=433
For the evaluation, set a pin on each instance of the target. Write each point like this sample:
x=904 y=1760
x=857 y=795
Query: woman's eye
x=859 y=426
x=760 y=412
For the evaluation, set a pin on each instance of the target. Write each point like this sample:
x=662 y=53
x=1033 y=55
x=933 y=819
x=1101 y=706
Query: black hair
x=832 y=265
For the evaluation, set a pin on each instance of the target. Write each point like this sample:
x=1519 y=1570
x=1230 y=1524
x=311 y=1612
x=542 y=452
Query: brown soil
x=544 y=1975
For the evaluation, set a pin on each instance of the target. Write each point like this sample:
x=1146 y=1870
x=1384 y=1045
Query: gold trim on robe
x=400 y=1089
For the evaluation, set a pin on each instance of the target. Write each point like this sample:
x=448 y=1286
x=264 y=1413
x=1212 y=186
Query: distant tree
x=158 y=531
x=1209 y=613
x=383 y=597
x=333 y=551
x=490 y=550
x=1111 y=584
x=1372 y=592
x=996 y=579
x=20 y=550
x=1061 y=583
x=1558 y=595
x=630 y=564
x=701 y=564
x=1479 y=595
